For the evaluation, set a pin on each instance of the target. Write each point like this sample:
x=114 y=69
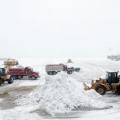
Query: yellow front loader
x=111 y=83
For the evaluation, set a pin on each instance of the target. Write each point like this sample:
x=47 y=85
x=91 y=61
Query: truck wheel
x=54 y=73
x=11 y=80
x=69 y=72
x=49 y=72
x=100 y=89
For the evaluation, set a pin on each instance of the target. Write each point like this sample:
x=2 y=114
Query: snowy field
x=61 y=96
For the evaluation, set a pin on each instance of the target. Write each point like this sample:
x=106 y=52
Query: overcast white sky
x=59 y=28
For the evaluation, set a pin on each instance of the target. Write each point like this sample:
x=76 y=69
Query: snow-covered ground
x=34 y=100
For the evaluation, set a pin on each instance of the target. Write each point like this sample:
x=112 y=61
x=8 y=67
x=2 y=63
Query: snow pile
x=62 y=93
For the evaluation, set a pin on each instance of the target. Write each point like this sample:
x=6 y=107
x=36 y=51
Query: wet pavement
x=9 y=97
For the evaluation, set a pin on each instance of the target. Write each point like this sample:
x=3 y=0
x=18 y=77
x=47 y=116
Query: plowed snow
x=62 y=93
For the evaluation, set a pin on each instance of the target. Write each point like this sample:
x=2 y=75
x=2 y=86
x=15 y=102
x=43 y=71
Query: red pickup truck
x=19 y=73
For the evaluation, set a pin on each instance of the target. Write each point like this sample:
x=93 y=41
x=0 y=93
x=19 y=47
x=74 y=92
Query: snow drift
x=61 y=94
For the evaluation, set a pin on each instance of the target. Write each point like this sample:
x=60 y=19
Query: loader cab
x=112 y=77
x=2 y=72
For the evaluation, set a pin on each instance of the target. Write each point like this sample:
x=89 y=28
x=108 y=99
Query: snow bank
x=62 y=93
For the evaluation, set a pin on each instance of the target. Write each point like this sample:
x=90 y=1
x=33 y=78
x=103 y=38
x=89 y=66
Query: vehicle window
x=1 y=71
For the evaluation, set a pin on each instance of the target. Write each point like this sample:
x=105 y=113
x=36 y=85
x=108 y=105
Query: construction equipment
x=21 y=72
x=4 y=75
x=111 y=83
x=53 y=69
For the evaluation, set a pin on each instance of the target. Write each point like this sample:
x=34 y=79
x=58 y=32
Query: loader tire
x=100 y=89
x=118 y=90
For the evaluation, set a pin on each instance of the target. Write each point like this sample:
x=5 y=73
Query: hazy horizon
x=59 y=29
